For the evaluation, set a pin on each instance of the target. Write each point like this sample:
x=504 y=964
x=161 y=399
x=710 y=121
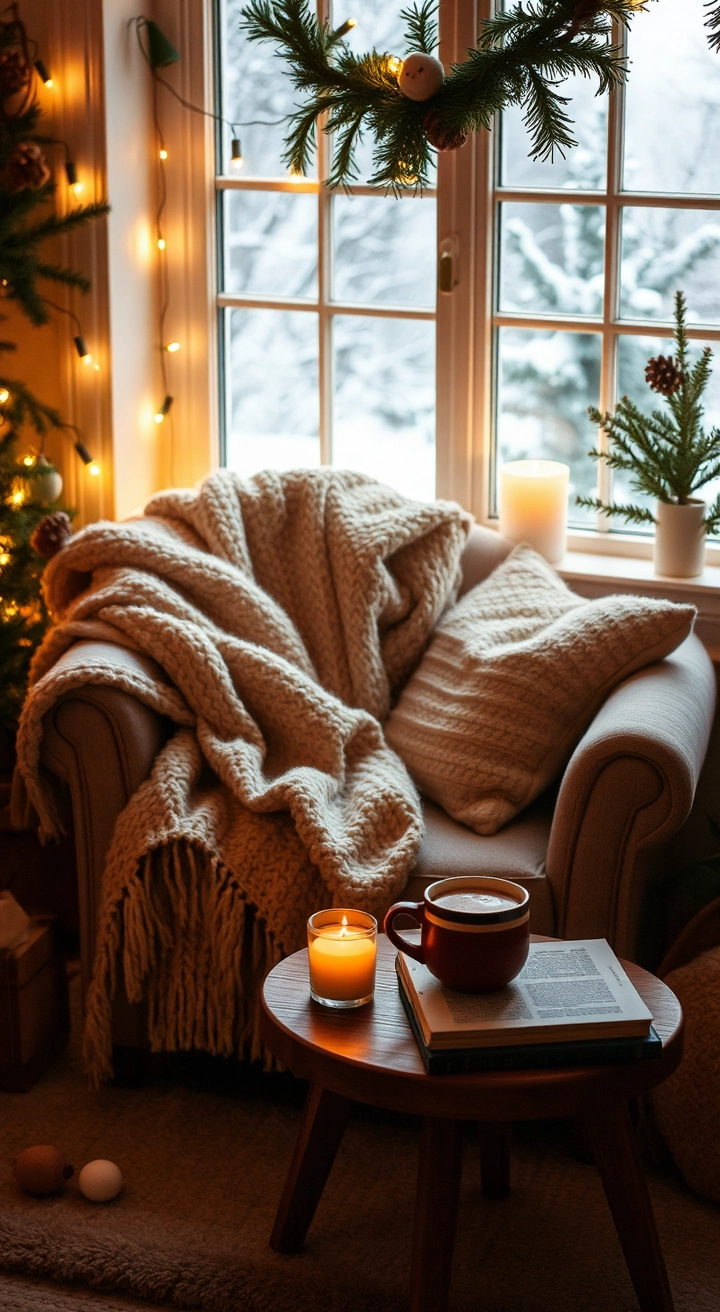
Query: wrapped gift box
x=34 y=1014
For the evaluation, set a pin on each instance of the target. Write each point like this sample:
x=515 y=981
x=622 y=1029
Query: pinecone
x=664 y=375
x=26 y=167
x=14 y=73
x=51 y=535
x=442 y=138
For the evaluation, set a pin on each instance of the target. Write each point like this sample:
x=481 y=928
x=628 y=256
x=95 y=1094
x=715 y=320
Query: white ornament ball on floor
x=100 y=1181
x=421 y=76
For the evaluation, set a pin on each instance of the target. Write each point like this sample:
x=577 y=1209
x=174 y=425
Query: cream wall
x=101 y=105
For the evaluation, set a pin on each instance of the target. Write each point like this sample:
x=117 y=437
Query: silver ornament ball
x=421 y=76
x=48 y=485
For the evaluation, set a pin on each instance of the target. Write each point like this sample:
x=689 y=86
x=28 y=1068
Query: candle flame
x=344 y=928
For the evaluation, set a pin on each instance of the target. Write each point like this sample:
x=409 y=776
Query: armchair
x=593 y=852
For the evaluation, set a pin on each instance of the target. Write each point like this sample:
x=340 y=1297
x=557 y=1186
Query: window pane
x=270 y=243
x=633 y=355
x=585 y=166
x=552 y=258
x=672 y=112
x=271 y=372
x=665 y=250
x=384 y=250
x=384 y=417
x=255 y=85
x=546 y=381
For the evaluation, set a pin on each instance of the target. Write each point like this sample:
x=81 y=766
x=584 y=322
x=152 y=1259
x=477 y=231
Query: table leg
x=616 y=1153
x=323 y=1124
x=495 y=1159
x=436 y=1204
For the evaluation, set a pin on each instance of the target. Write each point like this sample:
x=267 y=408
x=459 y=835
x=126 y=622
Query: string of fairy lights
x=76 y=186
x=159 y=52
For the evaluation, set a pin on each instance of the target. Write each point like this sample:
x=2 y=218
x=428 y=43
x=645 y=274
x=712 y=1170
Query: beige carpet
x=204 y=1154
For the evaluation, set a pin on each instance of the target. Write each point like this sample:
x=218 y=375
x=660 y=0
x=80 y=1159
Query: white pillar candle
x=533 y=505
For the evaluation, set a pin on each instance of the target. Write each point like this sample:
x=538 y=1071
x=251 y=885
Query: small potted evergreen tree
x=668 y=455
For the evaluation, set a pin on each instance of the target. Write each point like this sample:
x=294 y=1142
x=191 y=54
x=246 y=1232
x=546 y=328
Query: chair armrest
x=628 y=788
x=484 y=551
x=102 y=742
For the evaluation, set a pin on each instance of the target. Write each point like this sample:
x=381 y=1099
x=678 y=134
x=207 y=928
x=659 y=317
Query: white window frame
x=489 y=196
x=323 y=305
x=467 y=318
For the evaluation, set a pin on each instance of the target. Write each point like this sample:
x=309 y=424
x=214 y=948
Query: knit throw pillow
x=513 y=676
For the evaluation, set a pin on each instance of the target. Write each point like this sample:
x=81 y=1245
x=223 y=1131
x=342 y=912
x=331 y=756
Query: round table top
x=370 y=1054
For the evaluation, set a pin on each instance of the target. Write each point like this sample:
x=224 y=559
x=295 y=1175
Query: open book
x=567 y=991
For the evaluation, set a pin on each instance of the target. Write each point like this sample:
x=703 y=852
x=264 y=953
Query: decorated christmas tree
x=32 y=523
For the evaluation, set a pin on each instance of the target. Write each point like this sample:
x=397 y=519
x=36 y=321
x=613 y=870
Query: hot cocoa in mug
x=475 y=931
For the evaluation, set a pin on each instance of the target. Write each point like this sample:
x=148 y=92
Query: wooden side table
x=370 y=1056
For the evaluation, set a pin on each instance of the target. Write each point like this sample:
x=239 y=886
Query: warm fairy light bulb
x=236 y=155
x=163 y=154
x=161 y=243
x=4 y=395
x=393 y=65
x=77 y=188
x=18 y=496
x=93 y=469
x=87 y=359
x=172 y=347
x=43 y=73
x=29 y=461
x=96 y=366
x=164 y=409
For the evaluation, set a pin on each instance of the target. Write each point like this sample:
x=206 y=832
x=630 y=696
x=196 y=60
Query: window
x=590 y=250
x=328 y=300
x=336 y=347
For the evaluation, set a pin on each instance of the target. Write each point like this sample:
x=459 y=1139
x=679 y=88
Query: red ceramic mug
x=475 y=931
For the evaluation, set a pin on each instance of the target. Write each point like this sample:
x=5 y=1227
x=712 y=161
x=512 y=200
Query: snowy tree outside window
x=328 y=302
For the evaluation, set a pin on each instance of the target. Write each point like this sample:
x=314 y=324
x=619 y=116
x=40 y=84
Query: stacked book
x=571 y=1005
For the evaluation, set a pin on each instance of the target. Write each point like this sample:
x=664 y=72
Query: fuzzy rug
x=204 y=1147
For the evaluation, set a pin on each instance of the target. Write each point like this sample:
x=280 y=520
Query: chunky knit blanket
x=283 y=615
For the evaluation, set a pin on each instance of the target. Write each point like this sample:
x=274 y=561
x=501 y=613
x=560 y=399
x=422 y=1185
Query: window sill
x=593 y=575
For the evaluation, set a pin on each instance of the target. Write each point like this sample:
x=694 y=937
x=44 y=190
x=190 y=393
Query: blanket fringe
x=193 y=947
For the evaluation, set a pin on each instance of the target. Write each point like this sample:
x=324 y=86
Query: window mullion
x=611 y=297
x=325 y=370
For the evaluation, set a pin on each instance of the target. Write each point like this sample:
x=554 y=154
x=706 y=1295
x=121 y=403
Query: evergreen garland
x=669 y=456
x=521 y=57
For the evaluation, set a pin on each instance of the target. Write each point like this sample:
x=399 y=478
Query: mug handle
x=416 y=909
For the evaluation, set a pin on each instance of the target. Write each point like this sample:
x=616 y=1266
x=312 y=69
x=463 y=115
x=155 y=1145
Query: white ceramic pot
x=679 y=550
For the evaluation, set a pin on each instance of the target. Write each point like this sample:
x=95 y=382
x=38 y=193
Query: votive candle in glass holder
x=342 y=949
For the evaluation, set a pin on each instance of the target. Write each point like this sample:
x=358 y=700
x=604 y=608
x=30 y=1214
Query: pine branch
x=712 y=23
x=421 y=29
x=668 y=454
x=58 y=273
x=633 y=514
x=23 y=407
x=712 y=516
x=545 y=118
x=57 y=225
